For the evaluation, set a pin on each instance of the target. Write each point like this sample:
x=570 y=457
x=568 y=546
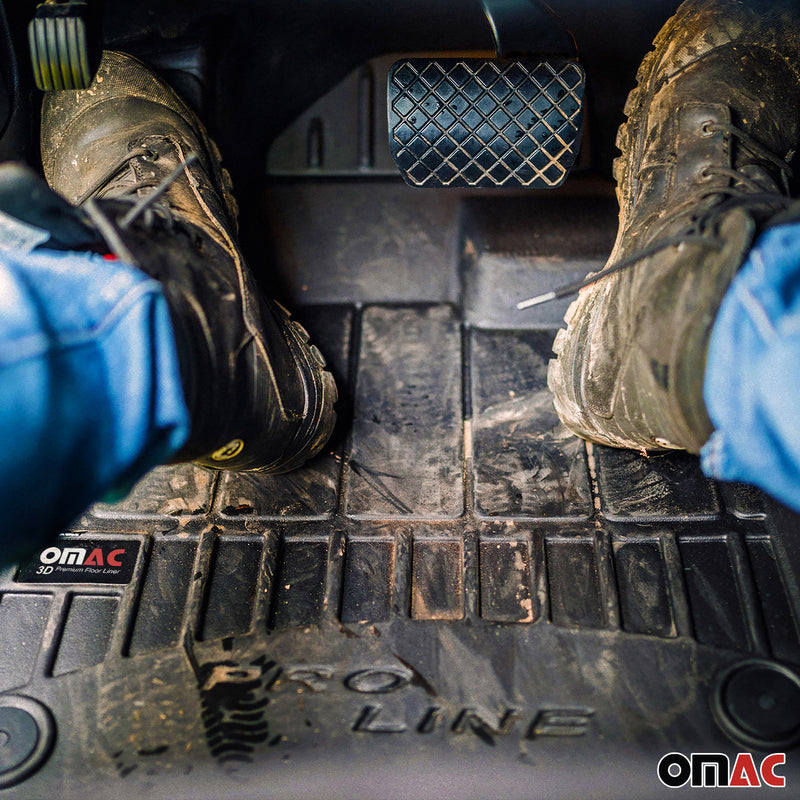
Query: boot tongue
x=762 y=162
x=147 y=162
x=766 y=176
x=124 y=184
x=152 y=165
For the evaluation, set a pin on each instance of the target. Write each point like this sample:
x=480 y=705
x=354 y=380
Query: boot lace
x=744 y=191
x=146 y=204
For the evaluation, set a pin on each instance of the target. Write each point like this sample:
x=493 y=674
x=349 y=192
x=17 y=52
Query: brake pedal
x=510 y=121
x=485 y=122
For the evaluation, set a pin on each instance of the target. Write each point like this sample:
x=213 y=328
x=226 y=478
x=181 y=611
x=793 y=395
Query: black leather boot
x=711 y=128
x=147 y=175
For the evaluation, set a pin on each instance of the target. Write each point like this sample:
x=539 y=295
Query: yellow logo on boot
x=228 y=451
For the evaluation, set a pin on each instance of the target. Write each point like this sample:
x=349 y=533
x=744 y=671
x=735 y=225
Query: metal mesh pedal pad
x=59 y=45
x=470 y=122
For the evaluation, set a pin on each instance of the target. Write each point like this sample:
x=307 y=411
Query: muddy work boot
x=149 y=178
x=711 y=128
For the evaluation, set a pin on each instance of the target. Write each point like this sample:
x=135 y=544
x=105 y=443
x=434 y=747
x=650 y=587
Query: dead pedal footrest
x=471 y=122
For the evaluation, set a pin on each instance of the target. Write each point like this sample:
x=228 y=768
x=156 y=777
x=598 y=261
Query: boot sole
x=320 y=418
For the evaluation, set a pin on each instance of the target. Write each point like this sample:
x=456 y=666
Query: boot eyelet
x=665 y=443
x=706 y=129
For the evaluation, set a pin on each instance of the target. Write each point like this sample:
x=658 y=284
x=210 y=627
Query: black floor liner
x=458 y=599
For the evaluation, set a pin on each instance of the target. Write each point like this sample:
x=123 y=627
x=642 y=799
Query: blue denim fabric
x=90 y=390
x=752 y=378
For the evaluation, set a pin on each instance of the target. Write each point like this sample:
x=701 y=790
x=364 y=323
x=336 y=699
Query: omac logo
x=82 y=556
x=83 y=561
x=703 y=770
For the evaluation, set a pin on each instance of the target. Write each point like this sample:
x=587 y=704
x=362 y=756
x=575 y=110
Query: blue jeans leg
x=90 y=389
x=752 y=377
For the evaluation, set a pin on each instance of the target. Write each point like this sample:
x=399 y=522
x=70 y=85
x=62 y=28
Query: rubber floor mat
x=457 y=599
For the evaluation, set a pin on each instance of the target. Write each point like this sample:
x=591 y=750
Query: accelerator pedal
x=510 y=121
x=59 y=41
